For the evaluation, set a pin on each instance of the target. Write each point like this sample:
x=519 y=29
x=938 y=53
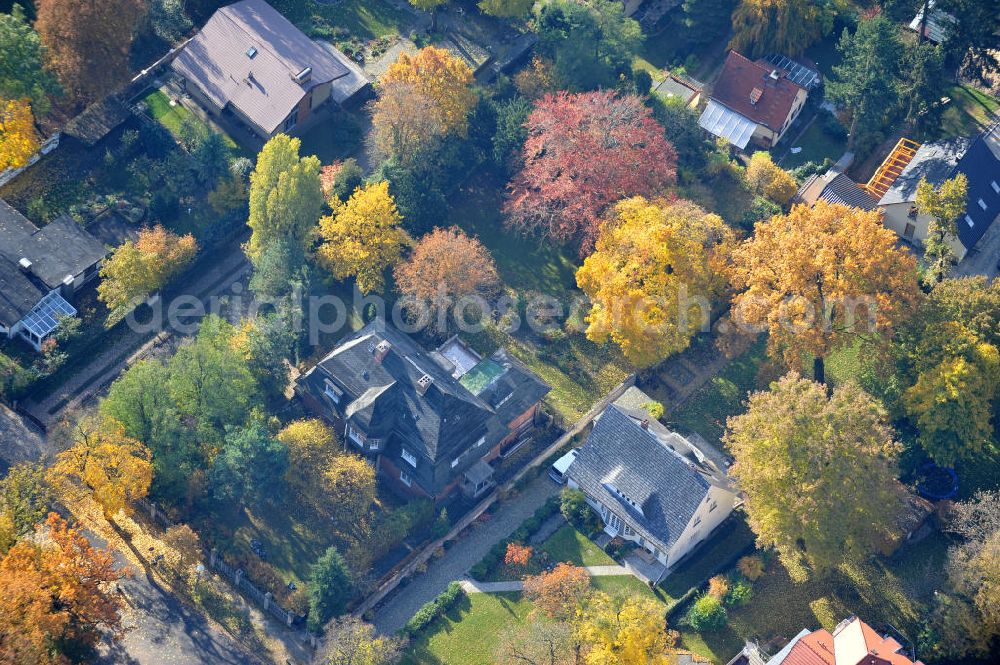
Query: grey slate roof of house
x=248 y=55
x=18 y=293
x=845 y=191
x=934 y=161
x=662 y=487
x=383 y=397
x=56 y=250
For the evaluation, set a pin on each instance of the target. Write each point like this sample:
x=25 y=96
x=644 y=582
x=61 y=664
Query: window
x=374 y=444
x=908 y=231
x=291 y=120
x=481 y=441
x=995 y=186
x=410 y=458
x=332 y=391
x=357 y=436
x=982 y=204
x=968 y=220
x=405 y=478
x=713 y=506
x=697 y=522
x=455 y=461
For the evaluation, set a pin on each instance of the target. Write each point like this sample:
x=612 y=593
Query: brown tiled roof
x=739 y=83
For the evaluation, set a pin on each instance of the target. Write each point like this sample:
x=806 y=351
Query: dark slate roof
x=514 y=390
x=981 y=165
x=248 y=55
x=384 y=398
x=18 y=293
x=845 y=191
x=663 y=481
x=58 y=249
x=97 y=120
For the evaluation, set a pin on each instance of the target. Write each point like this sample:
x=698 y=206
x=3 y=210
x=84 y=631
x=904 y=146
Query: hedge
x=522 y=533
x=433 y=609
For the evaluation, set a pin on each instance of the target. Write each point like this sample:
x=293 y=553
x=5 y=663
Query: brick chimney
x=381 y=351
x=645 y=423
x=423 y=383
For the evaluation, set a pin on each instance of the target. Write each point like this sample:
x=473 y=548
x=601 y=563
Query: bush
x=707 y=614
x=739 y=593
x=718 y=587
x=751 y=567
x=576 y=510
x=433 y=609
x=349 y=177
x=833 y=128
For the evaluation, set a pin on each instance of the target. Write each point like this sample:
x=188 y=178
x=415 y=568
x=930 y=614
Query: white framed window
x=968 y=220
x=357 y=436
x=982 y=204
x=405 y=478
x=331 y=390
x=715 y=504
x=455 y=462
x=697 y=522
x=409 y=457
x=481 y=441
x=374 y=444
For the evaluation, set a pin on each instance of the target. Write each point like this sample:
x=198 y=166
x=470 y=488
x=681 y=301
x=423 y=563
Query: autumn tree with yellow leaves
x=136 y=269
x=820 y=278
x=798 y=453
x=762 y=27
x=652 y=276
x=766 y=178
x=115 y=468
x=437 y=75
x=623 y=630
x=944 y=204
x=363 y=237
x=18 y=138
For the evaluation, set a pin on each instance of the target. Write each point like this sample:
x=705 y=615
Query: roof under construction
x=891 y=168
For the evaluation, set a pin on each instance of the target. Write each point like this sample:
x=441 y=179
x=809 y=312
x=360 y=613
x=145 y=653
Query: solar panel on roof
x=44 y=317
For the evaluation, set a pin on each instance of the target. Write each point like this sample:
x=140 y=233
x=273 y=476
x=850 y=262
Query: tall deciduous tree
x=286 y=200
x=762 y=27
x=22 y=59
x=798 y=453
x=18 y=138
x=584 y=153
x=442 y=78
x=136 y=269
x=88 y=42
x=559 y=592
x=446 y=266
x=944 y=204
x=114 y=467
x=430 y=6
x=405 y=123
x=538 y=643
x=351 y=641
x=363 y=237
x=972 y=41
x=623 y=630
x=651 y=277
x=250 y=466
x=808 y=276
x=767 y=178
x=506 y=8
x=25 y=496
x=55 y=603
x=867 y=80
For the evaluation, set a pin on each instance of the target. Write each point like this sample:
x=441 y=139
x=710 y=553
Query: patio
x=645 y=566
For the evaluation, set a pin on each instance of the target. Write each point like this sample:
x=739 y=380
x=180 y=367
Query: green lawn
x=705 y=412
x=365 y=19
x=567 y=545
x=174 y=117
x=969 y=111
x=816 y=145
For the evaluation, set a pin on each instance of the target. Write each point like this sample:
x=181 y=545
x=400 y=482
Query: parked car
x=561 y=466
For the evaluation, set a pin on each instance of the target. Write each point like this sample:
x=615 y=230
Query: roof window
x=982 y=204
x=996 y=187
x=251 y=52
x=968 y=220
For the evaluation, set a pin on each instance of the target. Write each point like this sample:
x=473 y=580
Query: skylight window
x=996 y=187
x=968 y=220
x=982 y=204
x=251 y=52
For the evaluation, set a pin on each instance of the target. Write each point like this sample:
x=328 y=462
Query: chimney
x=381 y=351
x=423 y=383
x=775 y=75
x=25 y=264
x=755 y=95
x=304 y=76
x=645 y=423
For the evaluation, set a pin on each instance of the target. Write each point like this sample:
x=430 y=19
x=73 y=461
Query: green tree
x=798 y=452
x=680 y=125
x=867 y=80
x=972 y=42
x=250 y=466
x=925 y=80
x=22 y=58
x=351 y=641
x=944 y=205
x=286 y=199
x=329 y=588
x=506 y=8
x=429 y=6
x=591 y=43
x=510 y=130
x=762 y=27
x=25 y=496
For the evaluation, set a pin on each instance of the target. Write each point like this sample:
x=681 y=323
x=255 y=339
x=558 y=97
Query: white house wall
x=709 y=519
x=897 y=216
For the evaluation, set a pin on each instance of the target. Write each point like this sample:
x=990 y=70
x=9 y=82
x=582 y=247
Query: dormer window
x=331 y=390
x=409 y=457
x=374 y=444
x=356 y=435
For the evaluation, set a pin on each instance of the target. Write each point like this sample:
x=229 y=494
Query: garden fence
x=231 y=573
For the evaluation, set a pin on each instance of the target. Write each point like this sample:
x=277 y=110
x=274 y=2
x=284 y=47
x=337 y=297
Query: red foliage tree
x=585 y=152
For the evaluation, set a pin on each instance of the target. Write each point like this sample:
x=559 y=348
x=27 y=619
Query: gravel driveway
x=466 y=552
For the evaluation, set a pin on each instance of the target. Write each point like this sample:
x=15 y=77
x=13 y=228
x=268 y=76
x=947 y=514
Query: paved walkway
x=466 y=552
x=472 y=586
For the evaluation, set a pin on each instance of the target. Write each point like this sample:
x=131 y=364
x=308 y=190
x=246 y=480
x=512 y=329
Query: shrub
x=752 y=567
x=433 y=609
x=577 y=511
x=707 y=614
x=739 y=593
x=718 y=587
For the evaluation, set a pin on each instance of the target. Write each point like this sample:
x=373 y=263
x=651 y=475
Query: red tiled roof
x=816 y=648
x=738 y=84
x=853 y=642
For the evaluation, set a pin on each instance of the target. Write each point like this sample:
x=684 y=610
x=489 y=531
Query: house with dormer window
x=432 y=421
x=651 y=485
